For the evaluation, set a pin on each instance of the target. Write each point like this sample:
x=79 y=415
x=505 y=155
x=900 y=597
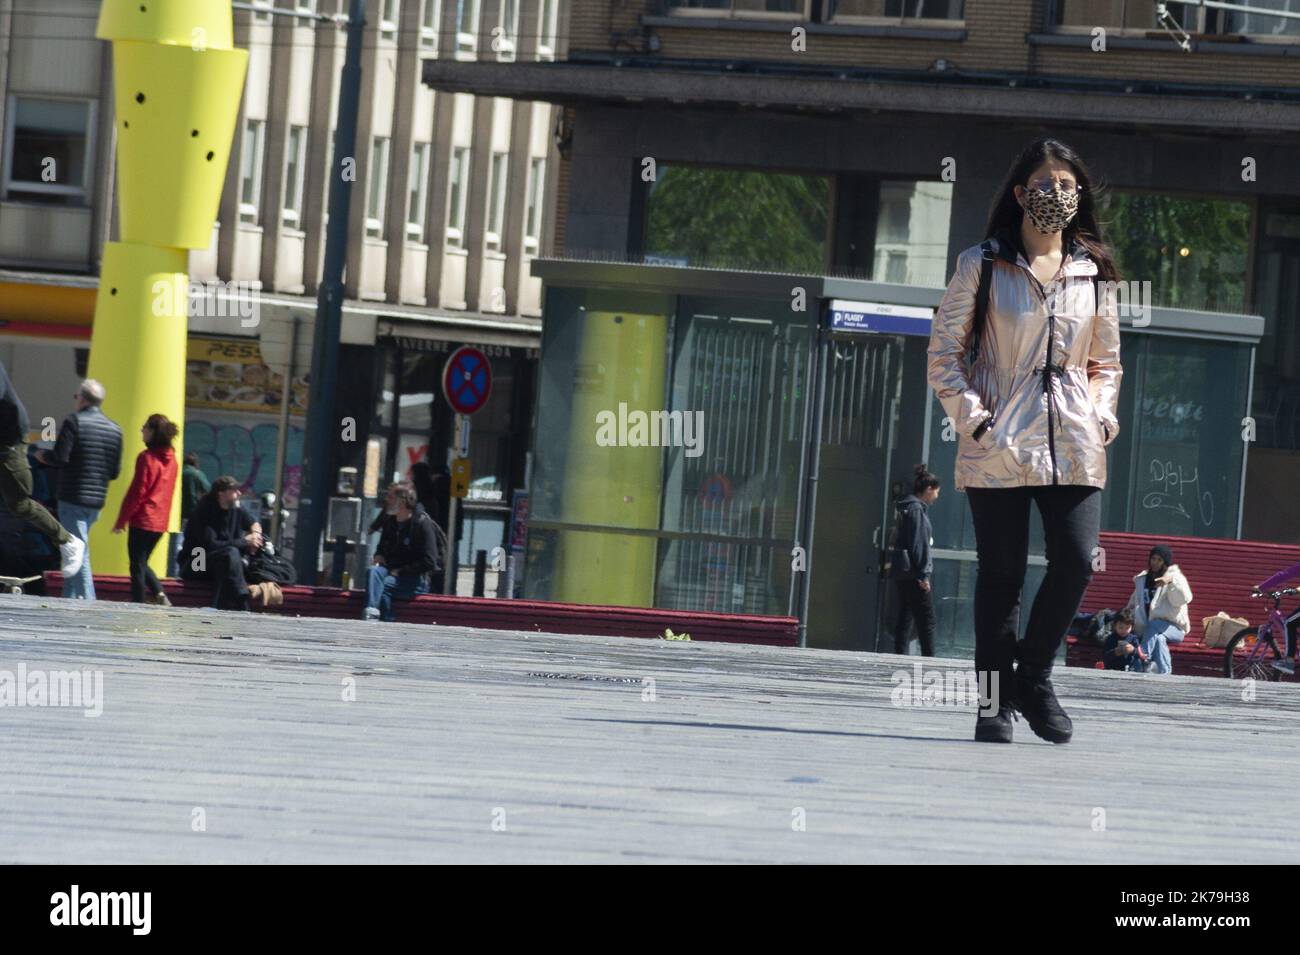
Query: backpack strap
x=981 y=298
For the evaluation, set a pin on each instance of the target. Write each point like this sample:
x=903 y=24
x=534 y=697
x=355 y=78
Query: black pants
x=225 y=568
x=913 y=604
x=139 y=547
x=1071 y=516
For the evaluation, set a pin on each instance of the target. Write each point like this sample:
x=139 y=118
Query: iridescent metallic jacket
x=1048 y=372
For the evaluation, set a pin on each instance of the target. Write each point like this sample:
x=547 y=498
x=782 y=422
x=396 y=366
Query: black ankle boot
x=1036 y=699
x=996 y=728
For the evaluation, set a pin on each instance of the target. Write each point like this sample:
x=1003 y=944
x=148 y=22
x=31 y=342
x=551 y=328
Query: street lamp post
x=321 y=423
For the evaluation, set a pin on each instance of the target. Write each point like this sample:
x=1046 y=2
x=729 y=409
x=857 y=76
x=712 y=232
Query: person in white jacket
x=1161 y=596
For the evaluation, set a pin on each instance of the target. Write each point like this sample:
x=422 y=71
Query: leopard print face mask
x=1050 y=211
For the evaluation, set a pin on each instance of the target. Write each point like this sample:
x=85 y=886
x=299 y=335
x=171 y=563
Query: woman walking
x=1032 y=392
x=147 y=507
x=912 y=565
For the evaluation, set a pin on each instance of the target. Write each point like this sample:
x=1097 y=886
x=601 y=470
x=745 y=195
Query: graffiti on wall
x=246 y=451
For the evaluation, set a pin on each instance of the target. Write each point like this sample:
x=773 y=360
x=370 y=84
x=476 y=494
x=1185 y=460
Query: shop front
x=733 y=441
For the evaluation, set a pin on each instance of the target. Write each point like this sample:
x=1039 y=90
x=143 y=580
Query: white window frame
x=295 y=177
x=428 y=29
x=548 y=22
x=306 y=6
x=262 y=16
x=418 y=192
x=509 y=43
x=730 y=12
x=467 y=42
x=390 y=12
x=15 y=190
x=498 y=181
x=250 y=211
x=380 y=149
x=457 y=198
x=903 y=20
x=533 y=207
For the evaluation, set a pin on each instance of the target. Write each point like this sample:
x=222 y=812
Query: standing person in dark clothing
x=16 y=480
x=407 y=552
x=147 y=506
x=432 y=489
x=194 y=484
x=88 y=455
x=217 y=535
x=912 y=564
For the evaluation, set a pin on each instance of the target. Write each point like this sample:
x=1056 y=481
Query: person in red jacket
x=147 y=506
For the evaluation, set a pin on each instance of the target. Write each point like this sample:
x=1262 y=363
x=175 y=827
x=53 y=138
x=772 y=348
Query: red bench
x=1221 y=574
x=489 y=613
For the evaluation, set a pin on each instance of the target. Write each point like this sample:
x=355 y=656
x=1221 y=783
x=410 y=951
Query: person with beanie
x=1161 y=596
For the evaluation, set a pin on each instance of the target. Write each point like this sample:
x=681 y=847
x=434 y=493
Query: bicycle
x=1252 y=651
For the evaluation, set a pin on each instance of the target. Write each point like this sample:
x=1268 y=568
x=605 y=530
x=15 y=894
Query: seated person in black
x=407 y=551
x=217 y=536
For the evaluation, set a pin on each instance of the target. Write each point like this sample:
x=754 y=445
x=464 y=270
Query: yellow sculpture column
x=178 y=81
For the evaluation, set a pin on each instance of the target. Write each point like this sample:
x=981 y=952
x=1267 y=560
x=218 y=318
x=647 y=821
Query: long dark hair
x=1006 y=214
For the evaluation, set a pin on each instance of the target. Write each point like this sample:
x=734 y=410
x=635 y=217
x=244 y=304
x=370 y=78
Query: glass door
x=859 y=422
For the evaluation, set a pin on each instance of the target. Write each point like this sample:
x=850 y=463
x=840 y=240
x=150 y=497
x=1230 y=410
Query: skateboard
x=15 y=584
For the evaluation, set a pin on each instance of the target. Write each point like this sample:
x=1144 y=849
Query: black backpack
x=264 y=568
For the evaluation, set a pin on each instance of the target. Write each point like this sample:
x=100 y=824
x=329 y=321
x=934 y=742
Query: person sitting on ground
x=217 y=536
x=407 y=552
x=1161 y=596
x=1121 y=651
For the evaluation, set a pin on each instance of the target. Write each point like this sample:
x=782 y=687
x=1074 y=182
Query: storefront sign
x=224 y=374
x=879 y=318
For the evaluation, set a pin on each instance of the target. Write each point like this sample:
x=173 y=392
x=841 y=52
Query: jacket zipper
x=1051 y=396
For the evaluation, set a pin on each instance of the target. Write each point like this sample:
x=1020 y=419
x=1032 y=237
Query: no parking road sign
x=467 y=380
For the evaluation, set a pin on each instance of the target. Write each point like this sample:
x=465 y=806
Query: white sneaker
x=372 y=613
x=1286 y=665
x=73 y=554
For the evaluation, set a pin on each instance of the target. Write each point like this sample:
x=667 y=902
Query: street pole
x=322 y=427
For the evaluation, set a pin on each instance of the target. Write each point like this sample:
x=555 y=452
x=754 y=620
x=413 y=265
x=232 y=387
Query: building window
x=306 y=6
x=496 y=200
x=295 y=154
x=250 y=171
x=1191 y=251
x=536 y=195
x=262 y=16
x=47 y=150
x=738 y=219
x=911 y=234
x=388 y=20
x=897 y=11
x=419 y=192
x=505 y=42
x=458 y=176
x=548 y=22
x=1137 y=15
x=429 y=24
x=740 y=8
x=467 y=25
x=377 y=192
x=1257 y=23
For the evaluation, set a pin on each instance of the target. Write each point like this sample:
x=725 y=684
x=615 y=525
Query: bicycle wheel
x=1246 y=658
